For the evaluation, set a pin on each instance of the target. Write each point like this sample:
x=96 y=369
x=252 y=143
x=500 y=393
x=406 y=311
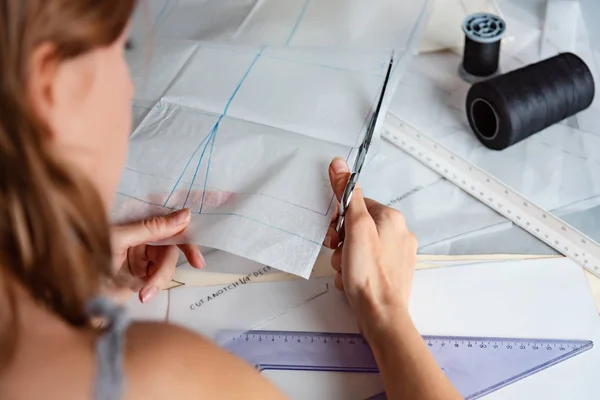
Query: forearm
x=407 y=368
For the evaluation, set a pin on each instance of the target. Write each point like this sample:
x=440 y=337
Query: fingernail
x=327 y=242
x=180 y=217
x=339 y=165
x=148 y=294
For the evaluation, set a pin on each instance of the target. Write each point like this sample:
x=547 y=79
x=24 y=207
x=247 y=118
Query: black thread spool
x=511 y=107
x=483 y=35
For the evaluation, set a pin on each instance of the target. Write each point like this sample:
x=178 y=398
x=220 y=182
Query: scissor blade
x=362 y=154
x=375 y=118
x=364 y=147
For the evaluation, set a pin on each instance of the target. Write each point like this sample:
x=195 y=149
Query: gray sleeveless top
x=110 y=347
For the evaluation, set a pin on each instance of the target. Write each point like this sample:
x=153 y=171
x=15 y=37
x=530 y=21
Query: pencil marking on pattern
x=210 y=138
x=298 y=21
x=185 y=169
x=208 y=189
x=224 y=213
x=215 y=129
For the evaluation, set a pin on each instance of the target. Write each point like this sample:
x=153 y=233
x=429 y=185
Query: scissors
x=361 y=156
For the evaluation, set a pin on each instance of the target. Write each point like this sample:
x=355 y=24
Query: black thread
x=511 y=107
x=483 y=35
x=481 y=59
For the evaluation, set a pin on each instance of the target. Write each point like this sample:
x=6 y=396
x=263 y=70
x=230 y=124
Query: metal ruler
x=476 y=366
x=495 y=194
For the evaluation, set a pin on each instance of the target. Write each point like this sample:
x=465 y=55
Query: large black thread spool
x=483 y=35
x=509 y=108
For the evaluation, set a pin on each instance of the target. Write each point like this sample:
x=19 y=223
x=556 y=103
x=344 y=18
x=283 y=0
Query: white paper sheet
x=337 y=23
x=184 y=87
x=242 y=135
x=548 y=299
x=254 y=173
x=591 y=10
x=560 y=25
x=235 y=300
x=221 y=268
x=238 y=306
x=323 y=23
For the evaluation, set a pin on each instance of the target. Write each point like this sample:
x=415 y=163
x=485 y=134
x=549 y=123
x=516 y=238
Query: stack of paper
x=243 y=135
x=522 y=299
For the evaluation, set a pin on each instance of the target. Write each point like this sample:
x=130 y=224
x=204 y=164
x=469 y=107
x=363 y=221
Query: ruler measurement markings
x=521 y=211
x=321 y=352
x=357 y=339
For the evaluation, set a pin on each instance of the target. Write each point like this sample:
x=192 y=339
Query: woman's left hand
x=153 y=266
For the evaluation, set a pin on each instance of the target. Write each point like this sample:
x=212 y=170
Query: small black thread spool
x=508 y=108
x=483 y=35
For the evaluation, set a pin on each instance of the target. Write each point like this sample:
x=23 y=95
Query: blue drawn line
x=265 y=224
x=237 y=51
x=293 y=32
x=210 y=137
x=256 y=57
x=242 y=193
x=211 y=142
x=162 y=16
x=185 y=169
x=216 y=127
x=313 y=64
x=143 y=173
x=411 y=37
x=224 y=213
x=162 y=12
x=144 y=201
x=298 y=21
x=212 y=146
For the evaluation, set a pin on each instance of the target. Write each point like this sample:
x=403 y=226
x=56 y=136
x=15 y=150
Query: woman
x=64 y=121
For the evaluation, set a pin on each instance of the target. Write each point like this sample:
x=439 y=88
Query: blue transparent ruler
x=476 y=366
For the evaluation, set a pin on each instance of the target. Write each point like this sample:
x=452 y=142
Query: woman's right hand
x=376 y=261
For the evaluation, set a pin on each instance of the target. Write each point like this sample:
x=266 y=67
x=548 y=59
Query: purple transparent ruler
x=476 y=366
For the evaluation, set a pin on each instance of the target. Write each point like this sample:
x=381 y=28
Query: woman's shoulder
x=163 y=361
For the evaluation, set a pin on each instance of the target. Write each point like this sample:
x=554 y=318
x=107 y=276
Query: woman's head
x=65 y=99
x=67 y=57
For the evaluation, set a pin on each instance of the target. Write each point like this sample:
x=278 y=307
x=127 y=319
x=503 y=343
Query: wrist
x=381 y=323
x=387 y=338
